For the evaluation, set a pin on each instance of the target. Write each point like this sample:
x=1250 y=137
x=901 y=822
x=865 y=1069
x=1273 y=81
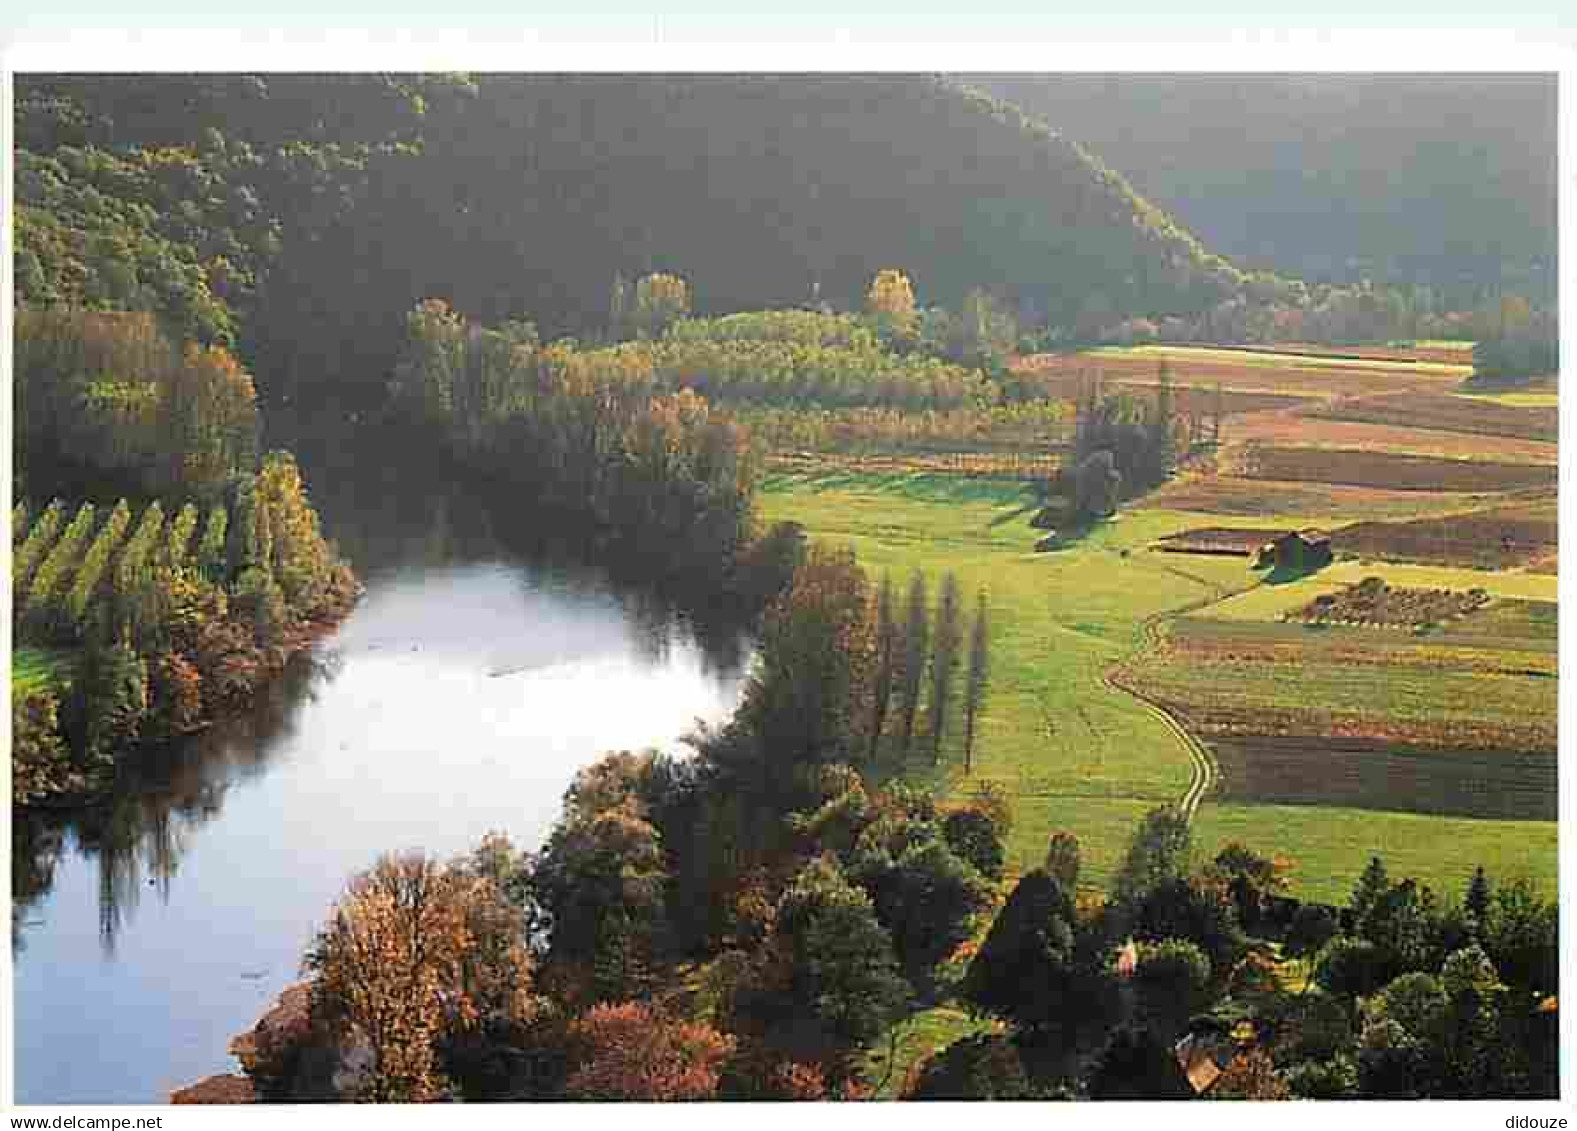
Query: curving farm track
x=1206 y=773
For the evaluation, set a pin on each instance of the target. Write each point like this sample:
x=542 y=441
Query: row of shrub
x=165 y=629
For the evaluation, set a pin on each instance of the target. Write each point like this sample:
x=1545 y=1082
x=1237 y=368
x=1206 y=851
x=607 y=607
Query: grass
x=34 y=669
x=1071 y=753
x=918 y=1036
x=1075 y=754
x=1269 y=602
x=1330 y=846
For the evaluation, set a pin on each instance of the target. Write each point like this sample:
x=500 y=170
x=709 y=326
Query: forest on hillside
x=242 y=209
x=1445 y=182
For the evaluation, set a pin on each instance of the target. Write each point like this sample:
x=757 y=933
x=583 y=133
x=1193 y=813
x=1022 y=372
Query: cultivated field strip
x=1445 y=413
x=1388 y=470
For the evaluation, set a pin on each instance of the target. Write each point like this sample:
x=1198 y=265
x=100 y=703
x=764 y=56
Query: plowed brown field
x=1359 y=774
x=1391 y=470
x=1449 y=414
x=1496 y=538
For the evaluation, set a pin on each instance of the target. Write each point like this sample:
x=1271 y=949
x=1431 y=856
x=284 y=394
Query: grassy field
x=1269 y=602
x=889 y=1061
x=1540 y=399
x=1074 y=753
x=1372 y=683
x=1071 y=753
x=1295 y=430
x=1451 y=414
x=1323 y=842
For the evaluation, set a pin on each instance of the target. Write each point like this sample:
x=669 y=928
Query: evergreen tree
x=1372 y=886
x=1062 y=859
x=1162 y=447
x=1027 y=970
x=1476 y=902
x=1158 y=852
x=843 y=971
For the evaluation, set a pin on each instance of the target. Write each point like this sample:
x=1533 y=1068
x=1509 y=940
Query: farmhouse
x=1200 y=1060
x=1299 y=550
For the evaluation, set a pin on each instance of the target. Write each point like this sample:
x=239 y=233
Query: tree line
x=293 y=217
x=814 y=904
x=170 y=570
x=1122 y=446
x=165 y=620
x=107 y=403
x=552 y=975
x=588 y=435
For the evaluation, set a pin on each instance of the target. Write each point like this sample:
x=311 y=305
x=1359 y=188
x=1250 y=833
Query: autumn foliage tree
x=414 y=950
x=809 y=695
x=660 y=300
x=600 y=880
x=632 y=1051
x=890 y=301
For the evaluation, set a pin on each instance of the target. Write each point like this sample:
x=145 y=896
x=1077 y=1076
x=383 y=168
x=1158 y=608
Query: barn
x=1299 y=551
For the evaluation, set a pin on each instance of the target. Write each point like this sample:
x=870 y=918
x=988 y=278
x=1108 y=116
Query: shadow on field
x=1283 y=574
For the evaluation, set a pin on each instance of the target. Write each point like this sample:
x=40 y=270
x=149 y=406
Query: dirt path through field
x=1206 y=773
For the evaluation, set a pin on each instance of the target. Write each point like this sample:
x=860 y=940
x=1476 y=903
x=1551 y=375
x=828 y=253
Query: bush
x=1333 y=1079
x=40 y=762
x=107 y=701
x=1312 y=927
x=974 y=837
x=1350 y=967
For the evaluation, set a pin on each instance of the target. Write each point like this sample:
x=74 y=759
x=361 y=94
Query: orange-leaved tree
x=632 y=1051
x=414 y=951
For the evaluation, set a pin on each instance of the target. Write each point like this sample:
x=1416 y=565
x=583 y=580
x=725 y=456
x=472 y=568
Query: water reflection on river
x=459 y=697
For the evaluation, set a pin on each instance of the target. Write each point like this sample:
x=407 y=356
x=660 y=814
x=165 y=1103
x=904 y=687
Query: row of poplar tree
x=917 y=657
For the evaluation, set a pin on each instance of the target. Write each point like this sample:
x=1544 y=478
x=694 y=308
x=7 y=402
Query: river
x=459 y=697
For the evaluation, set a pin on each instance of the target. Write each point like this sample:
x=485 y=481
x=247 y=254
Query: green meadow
x=1071 y=752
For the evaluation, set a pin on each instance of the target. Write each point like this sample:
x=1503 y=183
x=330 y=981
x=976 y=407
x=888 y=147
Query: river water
x=459 y=697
